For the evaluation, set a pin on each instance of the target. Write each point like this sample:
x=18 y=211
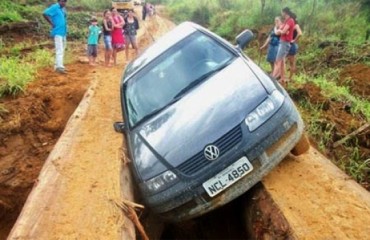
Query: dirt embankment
x=29 y=129
x=357 y=78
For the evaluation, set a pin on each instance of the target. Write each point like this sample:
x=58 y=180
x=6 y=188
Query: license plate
x=227 y=177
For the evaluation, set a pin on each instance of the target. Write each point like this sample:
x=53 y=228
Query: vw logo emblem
x=211 y=152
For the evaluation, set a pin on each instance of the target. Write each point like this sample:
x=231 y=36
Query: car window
x=157 y=85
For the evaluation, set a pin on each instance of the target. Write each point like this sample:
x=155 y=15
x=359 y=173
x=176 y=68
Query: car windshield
x=173 y=74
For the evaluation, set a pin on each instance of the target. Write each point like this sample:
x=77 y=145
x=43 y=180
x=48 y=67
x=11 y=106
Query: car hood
x=202 y=116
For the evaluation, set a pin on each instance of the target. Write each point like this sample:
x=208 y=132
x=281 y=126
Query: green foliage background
x=333 y=19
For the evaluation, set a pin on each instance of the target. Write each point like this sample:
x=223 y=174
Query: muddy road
x=86 y=175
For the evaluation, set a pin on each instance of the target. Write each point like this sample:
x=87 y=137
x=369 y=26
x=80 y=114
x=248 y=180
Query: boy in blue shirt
x=92 y=41
x=57 y=17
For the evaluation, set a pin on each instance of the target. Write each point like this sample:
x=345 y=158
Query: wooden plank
x=318 y=200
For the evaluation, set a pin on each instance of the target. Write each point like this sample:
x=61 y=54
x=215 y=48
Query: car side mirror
x=244 y=38
x=119 y=127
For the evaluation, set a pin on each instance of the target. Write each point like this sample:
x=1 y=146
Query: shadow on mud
x=251 y=216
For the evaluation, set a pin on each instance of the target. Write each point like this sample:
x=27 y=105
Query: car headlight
x=161 y=181
x=264 y=111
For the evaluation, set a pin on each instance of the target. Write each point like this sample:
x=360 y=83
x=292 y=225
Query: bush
x=10 y=16
x=78 y=23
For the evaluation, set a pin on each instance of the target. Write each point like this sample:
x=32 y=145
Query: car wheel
x=302 y=146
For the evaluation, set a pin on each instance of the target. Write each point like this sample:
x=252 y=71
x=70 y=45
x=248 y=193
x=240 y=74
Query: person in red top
x=286 y=37
x=118 y=41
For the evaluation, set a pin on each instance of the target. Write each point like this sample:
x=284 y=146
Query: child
x=92 y=41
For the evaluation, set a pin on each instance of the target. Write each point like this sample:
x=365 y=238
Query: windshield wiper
x=155 y=112
x=199 y=80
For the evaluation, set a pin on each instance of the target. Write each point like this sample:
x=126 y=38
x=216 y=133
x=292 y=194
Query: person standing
x=92 y=41
x=131 y=27
x=292 y=59
x=118 y=42
x=107 y=32
x=144 y=11
x=286 y=37
x=56 y=16
x=273 y=43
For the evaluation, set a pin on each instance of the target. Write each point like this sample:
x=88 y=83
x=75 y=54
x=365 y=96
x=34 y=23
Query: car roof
x=160 y=46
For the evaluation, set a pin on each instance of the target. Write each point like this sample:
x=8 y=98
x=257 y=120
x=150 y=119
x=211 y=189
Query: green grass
x=356 y=166
x=2 y=45
x=16 y=11
x=316 y=125
x=40 y=58
x=10 y=16
x=15 y=75
x=16 y=49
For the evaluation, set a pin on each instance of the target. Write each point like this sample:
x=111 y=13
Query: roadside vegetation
x=33 y=52
x=336 y=37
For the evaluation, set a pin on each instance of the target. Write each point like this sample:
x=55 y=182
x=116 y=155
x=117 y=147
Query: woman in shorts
x=118 y=42
x=273 y=43
x=107 y=32
x=131 y=27
x=286 y=37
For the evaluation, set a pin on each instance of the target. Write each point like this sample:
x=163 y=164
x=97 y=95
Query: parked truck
x=122 y=5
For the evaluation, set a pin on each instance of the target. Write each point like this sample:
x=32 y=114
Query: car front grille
x=199 y=161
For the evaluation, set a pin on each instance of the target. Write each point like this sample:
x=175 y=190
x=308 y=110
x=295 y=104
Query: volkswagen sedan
x=203 y=122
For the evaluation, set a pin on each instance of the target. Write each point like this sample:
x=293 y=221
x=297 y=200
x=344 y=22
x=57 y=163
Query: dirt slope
x=318 y=200
x=28 y=132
